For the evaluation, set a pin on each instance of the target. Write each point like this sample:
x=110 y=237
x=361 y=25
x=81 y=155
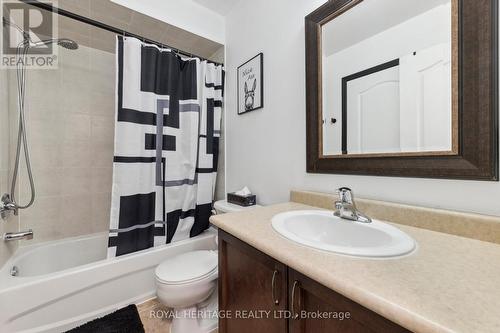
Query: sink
x=324 y=231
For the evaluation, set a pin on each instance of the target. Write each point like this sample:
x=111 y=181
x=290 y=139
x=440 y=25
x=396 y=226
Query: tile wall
x=70 y=121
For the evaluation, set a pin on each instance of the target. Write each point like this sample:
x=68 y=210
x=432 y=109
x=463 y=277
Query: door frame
x=345 y=81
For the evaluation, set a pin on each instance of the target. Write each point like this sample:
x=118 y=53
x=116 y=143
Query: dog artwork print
x=250 y=85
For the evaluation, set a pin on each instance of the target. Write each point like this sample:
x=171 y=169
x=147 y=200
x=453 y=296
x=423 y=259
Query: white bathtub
x=63 y=284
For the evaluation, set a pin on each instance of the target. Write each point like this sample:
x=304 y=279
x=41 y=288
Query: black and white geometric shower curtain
x=166 y=146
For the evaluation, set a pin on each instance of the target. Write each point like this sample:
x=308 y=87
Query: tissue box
x=242 y=200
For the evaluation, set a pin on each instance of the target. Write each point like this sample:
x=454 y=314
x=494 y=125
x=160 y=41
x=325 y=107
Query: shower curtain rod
x=83 y=19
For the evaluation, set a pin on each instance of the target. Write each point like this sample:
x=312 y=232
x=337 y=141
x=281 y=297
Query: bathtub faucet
x=11 y=236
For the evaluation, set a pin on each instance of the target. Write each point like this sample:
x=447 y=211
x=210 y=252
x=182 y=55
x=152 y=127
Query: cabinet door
x=317 y=309
x=252 y=289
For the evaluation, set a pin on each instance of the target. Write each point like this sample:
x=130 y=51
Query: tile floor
x=153 y=323
x=153 y=315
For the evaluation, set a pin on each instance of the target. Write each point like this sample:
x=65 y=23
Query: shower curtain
x=167 y=133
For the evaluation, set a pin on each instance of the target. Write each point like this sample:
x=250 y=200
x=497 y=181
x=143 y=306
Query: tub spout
x=11 y=236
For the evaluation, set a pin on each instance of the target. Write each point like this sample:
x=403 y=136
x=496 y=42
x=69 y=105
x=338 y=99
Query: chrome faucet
x=7 y=206
x=346 y=208
x=12 y=236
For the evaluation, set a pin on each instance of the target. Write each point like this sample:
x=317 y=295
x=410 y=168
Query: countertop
x=450 y=284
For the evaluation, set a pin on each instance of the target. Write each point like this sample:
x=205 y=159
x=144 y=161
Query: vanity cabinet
x=338 y=313
x=252 y=288
x=259 y=294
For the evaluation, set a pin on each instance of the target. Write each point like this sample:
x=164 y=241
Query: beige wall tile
x=73 y=61
x=76 y=154
x=102 y=155
x=147 y=26
x=101 y=61
x=100 y=11
x=101 y=105
x=35 y=78
x=12 y=223
x=75 y=181
x=101 y=180
x=102 y=129
x=76 y=215
x=59 y=106
x=45 y=212
x=75 y=101
x=71 y=114
x=46 y=130
x=44 y=155
x=47 y=182
x=7 y=249
x=102 y=40
x=100 y=203
x=75 y=127
x=47 y=230
x=80 y=7
x=4 y=125
x=218 y=55
x=4 y=181
x=134 y=22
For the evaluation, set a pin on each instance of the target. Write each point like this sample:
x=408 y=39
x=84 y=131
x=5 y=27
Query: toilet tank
x=222 y=207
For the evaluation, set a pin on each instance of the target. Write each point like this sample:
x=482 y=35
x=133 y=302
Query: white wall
x=266 y=149
x=184 y=14
x=416 y=34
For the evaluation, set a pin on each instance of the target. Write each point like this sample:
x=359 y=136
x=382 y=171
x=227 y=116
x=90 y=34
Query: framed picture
x=251 y=85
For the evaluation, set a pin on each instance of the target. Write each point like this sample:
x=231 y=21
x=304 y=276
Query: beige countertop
x=450 y=284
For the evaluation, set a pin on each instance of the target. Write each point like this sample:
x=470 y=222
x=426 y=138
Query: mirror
x=405 y=88
x=387 y=77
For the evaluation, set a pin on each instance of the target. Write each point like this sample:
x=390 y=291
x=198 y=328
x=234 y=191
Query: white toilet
x=187 y=283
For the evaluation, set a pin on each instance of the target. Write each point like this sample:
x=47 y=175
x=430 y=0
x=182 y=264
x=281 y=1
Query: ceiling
x=223 y=7
x=370 y=18
x=134 y=22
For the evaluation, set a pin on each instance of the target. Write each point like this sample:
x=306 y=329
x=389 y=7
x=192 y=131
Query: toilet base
x=187 y=320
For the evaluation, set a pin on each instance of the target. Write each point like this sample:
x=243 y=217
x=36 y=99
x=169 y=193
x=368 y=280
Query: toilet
x=187 y=283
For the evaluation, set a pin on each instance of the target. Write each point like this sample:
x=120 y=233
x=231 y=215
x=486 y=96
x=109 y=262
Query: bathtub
x=62 y=284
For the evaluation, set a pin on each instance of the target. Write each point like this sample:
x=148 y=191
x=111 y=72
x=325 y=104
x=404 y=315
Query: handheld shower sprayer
x=8 y=202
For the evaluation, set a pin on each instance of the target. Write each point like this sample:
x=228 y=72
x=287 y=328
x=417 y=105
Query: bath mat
x=125 y=320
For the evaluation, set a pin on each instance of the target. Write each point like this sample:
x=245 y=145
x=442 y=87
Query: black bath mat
x=125 y=320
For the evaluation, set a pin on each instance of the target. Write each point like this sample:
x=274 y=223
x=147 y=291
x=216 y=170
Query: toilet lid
x=187 y=266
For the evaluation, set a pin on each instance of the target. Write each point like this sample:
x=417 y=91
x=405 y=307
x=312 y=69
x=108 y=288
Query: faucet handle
x=345 y=195
x=7 y=206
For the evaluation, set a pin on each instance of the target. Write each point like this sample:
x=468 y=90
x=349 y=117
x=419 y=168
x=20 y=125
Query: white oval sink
x=322 y=230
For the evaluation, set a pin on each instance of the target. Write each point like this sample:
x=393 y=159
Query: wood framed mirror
x=404 y=88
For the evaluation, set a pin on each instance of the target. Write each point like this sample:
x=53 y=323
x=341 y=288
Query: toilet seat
x=208 y=276
x=188 y=268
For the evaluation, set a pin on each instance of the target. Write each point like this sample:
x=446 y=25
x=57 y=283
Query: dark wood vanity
x=260 y=294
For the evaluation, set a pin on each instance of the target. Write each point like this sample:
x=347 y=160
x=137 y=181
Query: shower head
x=63 y=42
x=67 y=43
